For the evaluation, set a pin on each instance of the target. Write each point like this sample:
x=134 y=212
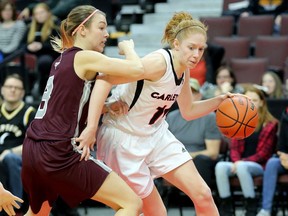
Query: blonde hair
x=264 y=116
x=47 y=27
x=180 y=26
x=76 y=16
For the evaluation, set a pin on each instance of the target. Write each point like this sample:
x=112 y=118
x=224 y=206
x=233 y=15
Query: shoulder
x=155 y=65
x=20 y=23
x=270 y=126
x=157 y=56
x=29 y=108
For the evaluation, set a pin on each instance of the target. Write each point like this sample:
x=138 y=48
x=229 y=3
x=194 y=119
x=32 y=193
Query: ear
x=82 y=30
x=176 y=44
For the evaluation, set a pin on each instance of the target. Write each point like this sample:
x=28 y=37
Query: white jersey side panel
x=149 y=112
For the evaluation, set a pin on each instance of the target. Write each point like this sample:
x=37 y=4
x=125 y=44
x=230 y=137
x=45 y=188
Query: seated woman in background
x=273 y=85
x=248 y=157
x=276 y=166
x=11 y=30
x=43 y=25
x=225 y=82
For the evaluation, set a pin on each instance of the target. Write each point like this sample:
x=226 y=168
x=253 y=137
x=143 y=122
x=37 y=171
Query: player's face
x=12 y=90
x=255 y=98
x=192 y=49
x=98 y=33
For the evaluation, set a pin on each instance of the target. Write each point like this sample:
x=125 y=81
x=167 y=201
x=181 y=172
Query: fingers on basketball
x=237 y=117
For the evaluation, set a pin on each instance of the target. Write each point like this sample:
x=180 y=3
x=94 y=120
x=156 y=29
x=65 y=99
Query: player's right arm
x=87 y=63
x=154 y=68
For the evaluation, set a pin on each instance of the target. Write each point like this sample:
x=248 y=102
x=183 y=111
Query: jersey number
x=160 y=113
x=45 y=98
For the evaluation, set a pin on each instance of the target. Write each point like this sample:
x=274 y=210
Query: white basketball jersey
x=148 y=113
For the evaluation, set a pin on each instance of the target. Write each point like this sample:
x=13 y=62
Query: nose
x=196 y=53
x=106 y=34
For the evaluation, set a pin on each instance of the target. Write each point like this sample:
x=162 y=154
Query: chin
x=99 y=49
x=191 y=66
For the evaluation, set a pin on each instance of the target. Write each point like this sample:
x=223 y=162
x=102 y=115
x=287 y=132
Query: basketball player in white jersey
x=138 y=145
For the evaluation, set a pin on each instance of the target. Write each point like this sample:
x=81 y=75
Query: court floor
x=187 y=211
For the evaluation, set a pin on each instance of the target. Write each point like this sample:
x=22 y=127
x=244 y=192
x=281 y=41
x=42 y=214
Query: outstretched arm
x=8 y=201
x=191 y=109
x=98 y=97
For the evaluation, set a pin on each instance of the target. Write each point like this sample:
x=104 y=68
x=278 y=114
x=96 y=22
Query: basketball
x=237 y=117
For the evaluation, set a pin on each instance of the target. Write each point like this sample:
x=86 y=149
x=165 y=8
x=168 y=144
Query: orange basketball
x=237 y=117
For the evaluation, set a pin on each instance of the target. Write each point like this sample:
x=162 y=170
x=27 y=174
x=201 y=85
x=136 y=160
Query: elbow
x=188 y=116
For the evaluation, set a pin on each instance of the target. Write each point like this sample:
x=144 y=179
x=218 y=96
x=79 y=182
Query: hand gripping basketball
x=237 y=117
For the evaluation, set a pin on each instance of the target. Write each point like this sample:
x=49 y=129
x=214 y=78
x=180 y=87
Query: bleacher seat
x=275 y=49
x=218 y=26
x=235 y=47
x=249 y=69
x=254 y=26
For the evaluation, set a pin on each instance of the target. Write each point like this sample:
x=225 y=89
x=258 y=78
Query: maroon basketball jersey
x=62 y=113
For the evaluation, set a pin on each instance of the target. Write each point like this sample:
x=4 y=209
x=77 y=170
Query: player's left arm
x=191 y=109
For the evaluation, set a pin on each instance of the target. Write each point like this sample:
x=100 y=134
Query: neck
x=80 y=43
x=8 y=21
x=10 y=106
x=179 y=69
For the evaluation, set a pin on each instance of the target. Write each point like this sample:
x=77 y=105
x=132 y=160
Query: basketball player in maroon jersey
x=55 y=163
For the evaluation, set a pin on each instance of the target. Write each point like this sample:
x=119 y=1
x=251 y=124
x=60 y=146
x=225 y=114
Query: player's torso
x=153 y=103
x=63 y=109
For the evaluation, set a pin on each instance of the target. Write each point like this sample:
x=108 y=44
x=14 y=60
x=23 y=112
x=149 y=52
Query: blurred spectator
x=225 y=82
x=273 y=85
x=205 y=70
x=200 y=136
x=11 y=30
x=278 y=18
x=60 y=9
x=248 y=157
x=15 y=116
x=285 y=92
x=273 y=7
x=258 y=7
x=275 y=166
x=37 y=42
